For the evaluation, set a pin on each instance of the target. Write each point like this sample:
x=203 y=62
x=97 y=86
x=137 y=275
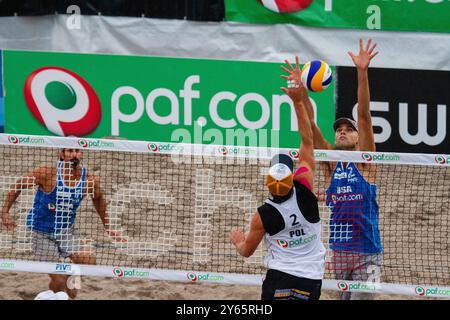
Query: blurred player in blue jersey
x=51 y=219
x=351 y=195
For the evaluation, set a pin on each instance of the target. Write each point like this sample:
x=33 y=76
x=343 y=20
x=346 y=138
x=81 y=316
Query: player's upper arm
x=366 y=136
x=93 y=186
x=32 y=178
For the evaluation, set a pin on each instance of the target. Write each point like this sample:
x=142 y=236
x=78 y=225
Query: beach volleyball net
x=171 y=207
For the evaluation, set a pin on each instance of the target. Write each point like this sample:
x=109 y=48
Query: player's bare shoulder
x=44 y=175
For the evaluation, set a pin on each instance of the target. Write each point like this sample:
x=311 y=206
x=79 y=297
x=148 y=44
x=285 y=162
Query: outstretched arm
x=295 y=92
x=100 y=205
x=362 y=61
x=318 y=138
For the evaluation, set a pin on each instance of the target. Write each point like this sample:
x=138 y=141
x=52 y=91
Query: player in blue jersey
x=51 y=219
x=352 y=192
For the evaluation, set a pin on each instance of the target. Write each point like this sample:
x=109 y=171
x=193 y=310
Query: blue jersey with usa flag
x=55 y=212
x=354 y=211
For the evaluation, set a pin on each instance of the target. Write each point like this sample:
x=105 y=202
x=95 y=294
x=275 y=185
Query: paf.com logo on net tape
x=130 y=273
x=27 y=140
x=194 y=277
x=432 y=292
x=62 y=101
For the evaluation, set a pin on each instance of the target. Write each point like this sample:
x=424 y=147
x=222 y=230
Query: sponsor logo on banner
x=83 y=143
x=420 y=291
x=380 y=157
x=432 y=292
x=153 y=147
x=95 y=144
x=442 y=159
x=164 y=147
x=130 y=273
x=223 y=151
x=7 y=265
x=179 y=103
x=294 y=154
x=194 y=277
x=285 y=6
x=62 y=101
x=320 y=154
x=343 y=286
x=410 y=108
x=13 y=139
x=27 y=140
x=363 y=286
x=63 y=268
x=397 y=15
x=367 y=157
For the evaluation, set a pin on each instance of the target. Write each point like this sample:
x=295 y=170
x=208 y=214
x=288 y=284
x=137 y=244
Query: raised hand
x=294 y=84
x=362 y=60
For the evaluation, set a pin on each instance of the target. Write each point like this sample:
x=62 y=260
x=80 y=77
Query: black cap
x=348 y=121
x=284 y=159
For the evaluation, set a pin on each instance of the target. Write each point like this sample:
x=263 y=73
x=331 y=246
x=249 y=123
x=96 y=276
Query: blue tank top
x=55 y=212
x=354 y=211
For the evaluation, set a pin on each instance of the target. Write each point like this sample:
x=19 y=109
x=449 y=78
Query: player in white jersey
x=289 y=221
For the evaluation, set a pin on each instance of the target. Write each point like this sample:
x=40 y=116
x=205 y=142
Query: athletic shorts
x=356 y=266
x=49 y=247
x=282 y=286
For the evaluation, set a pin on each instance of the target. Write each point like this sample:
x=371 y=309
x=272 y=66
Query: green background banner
x=154 y=99
x=400 y=15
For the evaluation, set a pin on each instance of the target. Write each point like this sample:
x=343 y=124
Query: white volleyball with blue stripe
x=316 y=75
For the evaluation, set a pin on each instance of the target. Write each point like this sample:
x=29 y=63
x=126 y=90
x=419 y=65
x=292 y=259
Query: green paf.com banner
x=154 y=99
x=400 y=15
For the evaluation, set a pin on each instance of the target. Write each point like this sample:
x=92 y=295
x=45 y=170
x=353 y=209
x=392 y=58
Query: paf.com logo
x=118 y=272
x=294 y=154
x=13 y=139
x=432 y=292
x=420 y=291
x=343 y=286
x=223 y=151
x=153 y=147
x=203 y=277
x=192 y=276
x=442 y=160
x=83 y=143
x=62 y=101
x=124 y=273
x=283 y=244
x=285 y=6
x=26 y=139
x=367 y=157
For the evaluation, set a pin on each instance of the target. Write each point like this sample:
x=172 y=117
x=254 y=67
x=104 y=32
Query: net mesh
x=178 y=216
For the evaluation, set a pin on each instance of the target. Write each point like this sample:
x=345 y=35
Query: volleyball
x=285 y=6
x=316 y=75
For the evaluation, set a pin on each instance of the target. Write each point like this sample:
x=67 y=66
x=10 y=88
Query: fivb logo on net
x=62 y=101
